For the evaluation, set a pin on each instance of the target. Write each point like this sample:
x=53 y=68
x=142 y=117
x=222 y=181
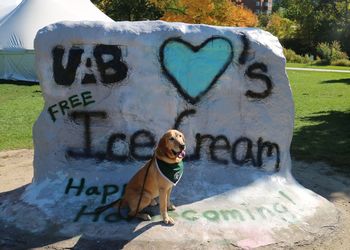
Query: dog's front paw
x=168 y=220
x=171 y=207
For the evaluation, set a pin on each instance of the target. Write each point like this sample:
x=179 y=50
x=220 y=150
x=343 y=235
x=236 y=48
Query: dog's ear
x=162 y=145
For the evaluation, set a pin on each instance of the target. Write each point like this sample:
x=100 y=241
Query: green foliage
x=330 y=52
x=293 y=57
x=283 y=28
x=317 y=21
x=131 y=10
x=263 y=20
x=341 y=62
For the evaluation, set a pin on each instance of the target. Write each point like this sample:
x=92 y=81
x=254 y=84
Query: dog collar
x=171 y=172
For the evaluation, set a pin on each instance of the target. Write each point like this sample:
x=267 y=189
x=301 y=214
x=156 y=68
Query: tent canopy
x=6 y=6
x=19 y=27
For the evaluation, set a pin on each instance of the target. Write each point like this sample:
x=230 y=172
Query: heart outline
x=172 y=78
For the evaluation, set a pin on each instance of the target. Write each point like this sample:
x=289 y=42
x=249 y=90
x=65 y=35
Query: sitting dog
x=154 y=179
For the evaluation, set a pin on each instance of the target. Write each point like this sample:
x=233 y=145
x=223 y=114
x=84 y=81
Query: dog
x=155 y=179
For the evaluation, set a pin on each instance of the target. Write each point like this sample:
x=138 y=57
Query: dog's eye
x=171 y=138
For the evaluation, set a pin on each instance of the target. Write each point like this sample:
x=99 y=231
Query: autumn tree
x=214 y=12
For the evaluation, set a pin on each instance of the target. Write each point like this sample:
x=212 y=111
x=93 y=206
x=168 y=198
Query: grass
x=322 y=122
x=301 y=65
x=20 y=105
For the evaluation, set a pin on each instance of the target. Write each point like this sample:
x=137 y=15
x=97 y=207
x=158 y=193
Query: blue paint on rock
x=195 y=70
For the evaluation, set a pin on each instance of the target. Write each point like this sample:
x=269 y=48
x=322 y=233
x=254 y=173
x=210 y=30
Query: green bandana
x=171 y=172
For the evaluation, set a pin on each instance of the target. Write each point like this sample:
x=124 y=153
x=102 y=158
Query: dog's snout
x=182 y=146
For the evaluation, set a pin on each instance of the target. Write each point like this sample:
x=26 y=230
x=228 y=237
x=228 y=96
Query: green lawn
x=20 y=105
x=322 y=122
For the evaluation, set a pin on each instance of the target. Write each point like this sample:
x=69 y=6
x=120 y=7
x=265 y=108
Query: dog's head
x=171 y=147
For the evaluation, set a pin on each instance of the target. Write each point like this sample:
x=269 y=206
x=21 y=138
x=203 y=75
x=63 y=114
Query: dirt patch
x=334 y=186
x=16 y=171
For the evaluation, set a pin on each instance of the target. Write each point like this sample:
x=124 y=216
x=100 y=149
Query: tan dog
x=156 y=178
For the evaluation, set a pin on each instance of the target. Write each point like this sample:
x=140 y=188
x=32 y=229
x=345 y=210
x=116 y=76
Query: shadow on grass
x=19 y=83
x=343 y=80
x=327 y=141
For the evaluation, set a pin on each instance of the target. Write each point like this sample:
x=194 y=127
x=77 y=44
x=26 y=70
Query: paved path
x=320 y=70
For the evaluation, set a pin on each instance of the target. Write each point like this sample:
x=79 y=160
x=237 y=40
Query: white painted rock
x=111 y=90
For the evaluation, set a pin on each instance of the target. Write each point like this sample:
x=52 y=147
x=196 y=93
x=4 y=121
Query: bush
x=293 y=57
x=331 y=52
x=341 y=62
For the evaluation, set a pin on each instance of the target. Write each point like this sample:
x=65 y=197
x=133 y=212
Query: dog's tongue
x=182 y=154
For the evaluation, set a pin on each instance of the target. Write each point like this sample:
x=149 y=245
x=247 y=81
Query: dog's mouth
x=180 y=154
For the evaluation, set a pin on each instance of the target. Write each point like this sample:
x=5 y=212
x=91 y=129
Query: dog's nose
x=182 y=146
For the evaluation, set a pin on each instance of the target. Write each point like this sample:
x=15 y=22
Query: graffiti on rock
x=146 y=140
x=235 y=214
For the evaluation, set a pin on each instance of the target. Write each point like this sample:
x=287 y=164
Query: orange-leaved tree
x=214 y=12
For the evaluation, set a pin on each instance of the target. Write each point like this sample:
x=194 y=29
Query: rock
x=111 y=90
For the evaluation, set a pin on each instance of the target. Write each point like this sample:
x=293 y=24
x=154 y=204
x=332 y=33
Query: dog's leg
x=170 y=206
x=163 y=200
x=145 y=201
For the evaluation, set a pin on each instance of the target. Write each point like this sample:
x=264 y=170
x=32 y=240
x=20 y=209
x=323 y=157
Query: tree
x=283 y=28
x=214 y=12
x=131 y=10
x=317 y=20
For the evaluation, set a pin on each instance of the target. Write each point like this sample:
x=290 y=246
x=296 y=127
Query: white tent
x=6 y=6
x=18 y=30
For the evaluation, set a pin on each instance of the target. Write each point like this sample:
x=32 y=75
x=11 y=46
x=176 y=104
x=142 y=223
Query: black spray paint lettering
x=89 y=75
x=140 y=140
x=114 y=69
x=86 y=117
x=246 y=46
x=65 y=75
x=108 y=58
x=79 y=187
x=221 y=143
x=143 y=139
x=62 y=107
x=252 y=72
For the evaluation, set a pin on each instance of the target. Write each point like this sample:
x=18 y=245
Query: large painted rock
x=111 y=90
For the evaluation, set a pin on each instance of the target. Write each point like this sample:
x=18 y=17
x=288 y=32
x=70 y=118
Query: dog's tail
x=105 y=207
